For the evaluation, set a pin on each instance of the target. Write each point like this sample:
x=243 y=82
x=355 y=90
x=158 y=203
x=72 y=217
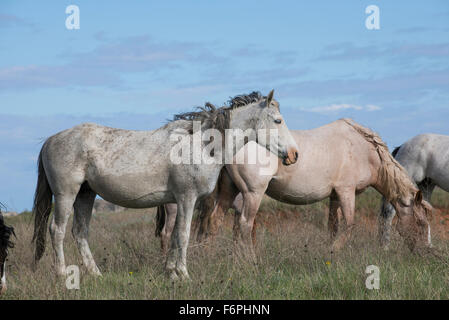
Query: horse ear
x=270 y=97
x=418 y=197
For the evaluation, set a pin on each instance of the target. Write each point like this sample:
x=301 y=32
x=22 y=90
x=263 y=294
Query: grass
x=294 y=260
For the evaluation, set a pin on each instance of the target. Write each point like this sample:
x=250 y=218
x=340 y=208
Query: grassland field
x=294 y=259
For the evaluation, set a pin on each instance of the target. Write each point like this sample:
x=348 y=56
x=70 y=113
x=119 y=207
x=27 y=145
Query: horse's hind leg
x=63 y=208
x=83 y=212
x=332 y=224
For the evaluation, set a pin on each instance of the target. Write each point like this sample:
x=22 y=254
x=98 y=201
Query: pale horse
x=135 y=169
x=337 y=161
x=426 y=159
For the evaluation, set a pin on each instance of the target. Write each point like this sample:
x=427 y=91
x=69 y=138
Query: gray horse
x=136 y=169
x=426 y=159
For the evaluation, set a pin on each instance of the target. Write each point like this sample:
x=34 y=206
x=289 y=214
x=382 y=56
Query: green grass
x=294 y=260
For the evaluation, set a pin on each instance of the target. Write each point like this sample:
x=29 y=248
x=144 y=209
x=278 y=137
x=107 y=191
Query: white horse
x=426 y=159
x=136 y=169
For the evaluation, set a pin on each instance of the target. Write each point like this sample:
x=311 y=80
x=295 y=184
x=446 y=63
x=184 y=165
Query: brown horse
x=338 y=161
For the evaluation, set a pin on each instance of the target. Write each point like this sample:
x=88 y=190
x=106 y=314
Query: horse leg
x=347 y=203
x=63 y=208
x=237 y=205
x=332 y=224
x=211 y=220
x=83 y=212
x=244 y=222
x=385 y=221
x=427 y=187
x=176 y=265
x=171 y=212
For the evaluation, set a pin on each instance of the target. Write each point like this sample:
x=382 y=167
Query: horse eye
x=278 y=121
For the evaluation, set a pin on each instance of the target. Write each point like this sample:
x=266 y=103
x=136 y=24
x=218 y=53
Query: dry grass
x=294 y=260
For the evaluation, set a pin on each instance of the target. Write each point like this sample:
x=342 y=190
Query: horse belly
x=298 y=193
x=133 y=191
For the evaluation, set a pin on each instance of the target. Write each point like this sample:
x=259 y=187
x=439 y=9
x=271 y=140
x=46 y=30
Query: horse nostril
x=296 y=155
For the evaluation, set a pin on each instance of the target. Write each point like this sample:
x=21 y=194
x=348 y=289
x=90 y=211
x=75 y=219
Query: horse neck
x=240 y=117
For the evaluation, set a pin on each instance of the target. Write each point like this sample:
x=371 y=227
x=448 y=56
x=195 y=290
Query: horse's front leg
x=170 y=212
x=63 y=208
x=347 y=203
x=176 y=265
x=244 y=223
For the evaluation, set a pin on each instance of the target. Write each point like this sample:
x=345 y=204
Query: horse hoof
x=61 y=273
x=178 y=275
x=173 y=275
x=95 y=272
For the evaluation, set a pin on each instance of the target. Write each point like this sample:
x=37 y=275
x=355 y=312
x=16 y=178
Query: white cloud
x=372 y=107
x=333 y=108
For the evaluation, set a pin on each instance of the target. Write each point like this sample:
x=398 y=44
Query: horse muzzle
x=291 y=157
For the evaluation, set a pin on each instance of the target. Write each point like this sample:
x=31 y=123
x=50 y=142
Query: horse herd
x=134 y=169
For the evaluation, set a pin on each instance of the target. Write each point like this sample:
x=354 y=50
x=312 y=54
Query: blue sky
x=134 y=64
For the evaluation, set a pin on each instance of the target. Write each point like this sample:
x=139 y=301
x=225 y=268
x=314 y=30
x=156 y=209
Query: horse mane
x=395 y=179
x=5 y=237
x=395 y=152
x=212 y=117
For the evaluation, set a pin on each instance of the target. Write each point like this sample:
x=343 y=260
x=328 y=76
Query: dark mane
x=5 y=238
x=395 y=152
x=218 y=117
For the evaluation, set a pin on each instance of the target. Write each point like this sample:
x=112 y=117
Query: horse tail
x=395 y=151
x=41 y=209
x=160 y=220
x=393 y=177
